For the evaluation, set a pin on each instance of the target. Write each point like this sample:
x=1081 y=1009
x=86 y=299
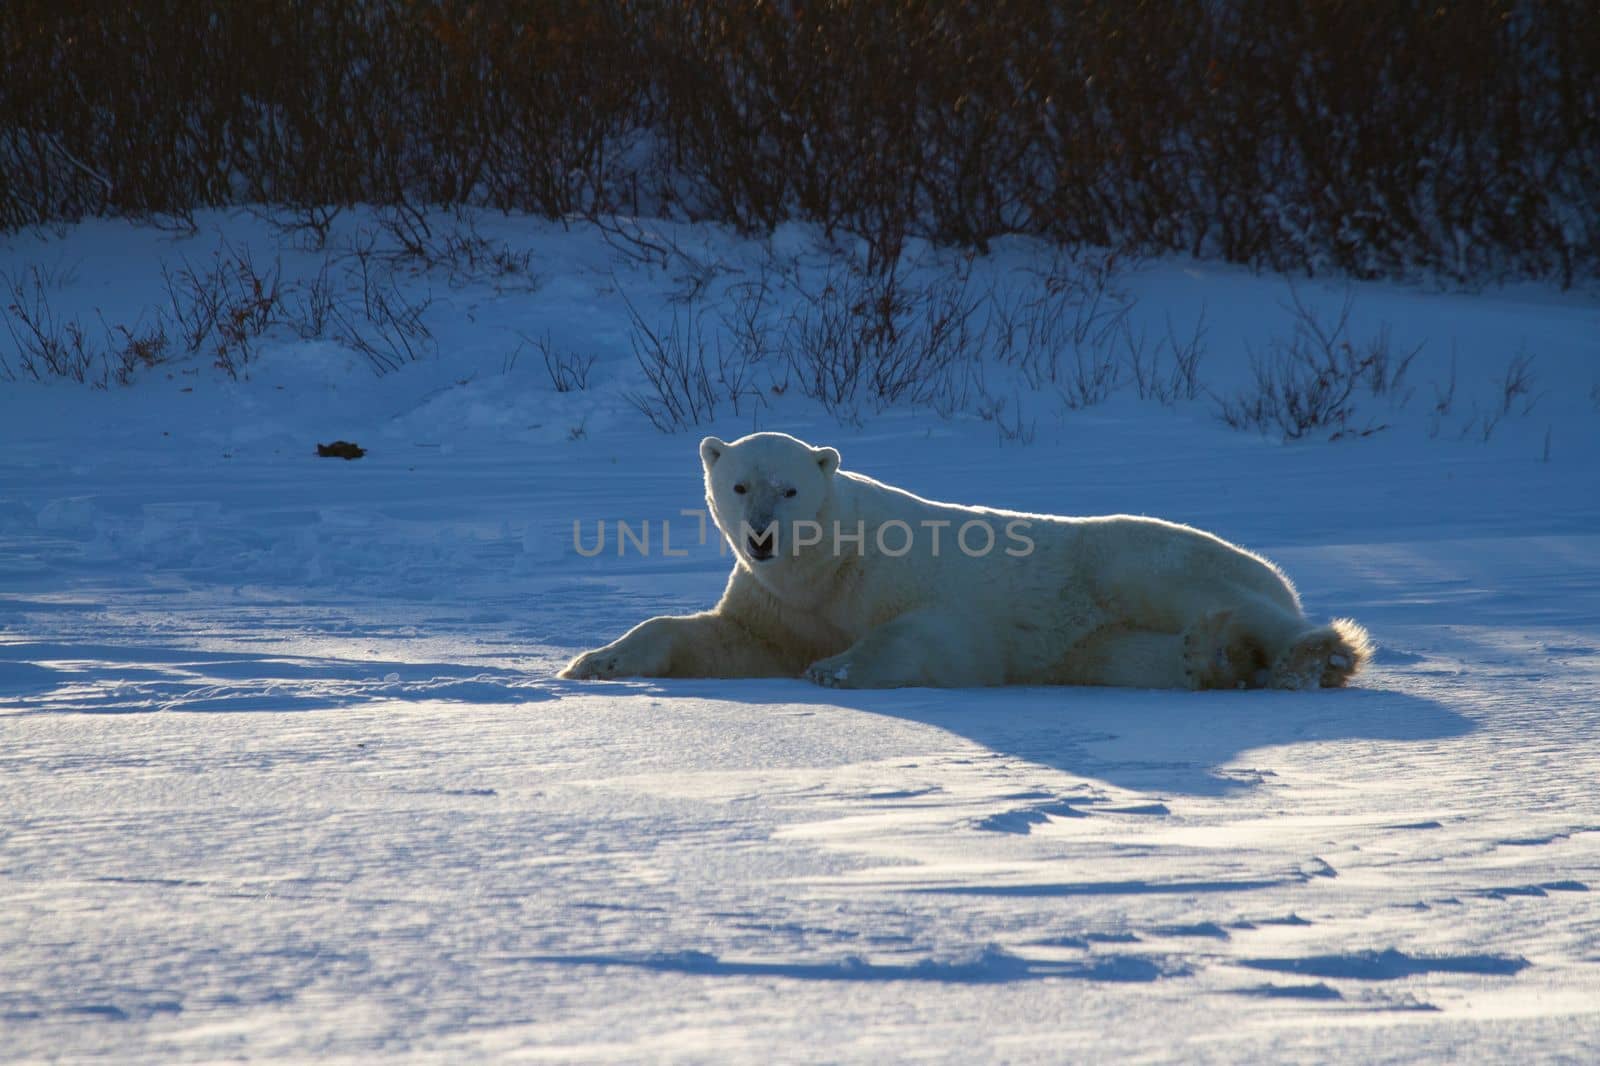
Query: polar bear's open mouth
x=760 y=547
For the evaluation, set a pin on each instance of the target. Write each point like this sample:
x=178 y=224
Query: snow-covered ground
x=284 y=772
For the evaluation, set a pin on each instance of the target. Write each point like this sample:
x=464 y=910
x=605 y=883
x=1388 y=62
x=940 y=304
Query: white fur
x=1116 y=600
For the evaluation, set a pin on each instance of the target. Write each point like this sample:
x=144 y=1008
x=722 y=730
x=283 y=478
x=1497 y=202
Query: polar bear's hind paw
x=829 y=673
x=1323 y=658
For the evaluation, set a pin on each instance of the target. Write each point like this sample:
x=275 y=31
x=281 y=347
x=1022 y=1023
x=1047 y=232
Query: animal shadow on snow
x=1142 y=740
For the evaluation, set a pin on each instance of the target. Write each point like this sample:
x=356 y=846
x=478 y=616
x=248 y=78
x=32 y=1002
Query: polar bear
x=852 y=583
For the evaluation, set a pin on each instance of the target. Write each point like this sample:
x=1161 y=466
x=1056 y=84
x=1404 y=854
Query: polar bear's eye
x=791 y=493
x=739 y=489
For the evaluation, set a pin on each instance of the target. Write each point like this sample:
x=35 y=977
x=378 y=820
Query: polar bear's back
x=1140 y=567
x=1131 y=552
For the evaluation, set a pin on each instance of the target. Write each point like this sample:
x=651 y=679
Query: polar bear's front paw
x=614 y=660
x=591 y=666
x=830 y=673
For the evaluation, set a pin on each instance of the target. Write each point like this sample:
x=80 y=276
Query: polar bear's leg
x=1127 y=657
x=1223 y=649
x=696 y=645
x=1236 y=644
x=1254 y=644
x=920 y=648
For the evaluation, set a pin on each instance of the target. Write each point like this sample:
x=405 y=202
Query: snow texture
x=285 y=774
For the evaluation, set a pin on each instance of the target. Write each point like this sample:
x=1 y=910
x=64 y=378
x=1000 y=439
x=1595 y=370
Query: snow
x=285 y=774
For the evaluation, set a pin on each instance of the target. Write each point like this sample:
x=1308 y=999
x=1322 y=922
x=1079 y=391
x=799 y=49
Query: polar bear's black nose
x=760 y=547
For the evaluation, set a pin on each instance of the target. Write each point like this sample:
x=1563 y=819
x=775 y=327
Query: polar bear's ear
x=711 y=450
x=827 y=459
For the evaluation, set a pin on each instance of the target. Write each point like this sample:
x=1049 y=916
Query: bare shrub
x=310 y=307
x=674 y=361
x=1091 y=376
x=1444 y=398
x=1516 y=385
x=1065 y=333
x=406 y=224
x=1310 y=382
x=178 y=220
x=225 y=307
x=868 y=336
x=1142 y=364
x=1481 y=423
x=195 y=304
x=250 y=306
x=634 y=241
x=1016 y=429
x=393 y=334
x=1171 y=370
x=1516 y=397
x=746 y=318
x=736 y=374
x=504 y=266
x=32 y=325
x=820 y=341
x=568 y=370
x=390 y=330
x=138 y=347
x=51 y=347
x=47 y=346
x=57 y=275
x=307 y=225
x=917 y=362
x=654 y=244
x=461 y=253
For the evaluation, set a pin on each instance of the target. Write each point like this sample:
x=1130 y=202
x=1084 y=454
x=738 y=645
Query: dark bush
x=1365 y=137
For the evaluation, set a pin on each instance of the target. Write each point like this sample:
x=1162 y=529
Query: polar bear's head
x=769 y=493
